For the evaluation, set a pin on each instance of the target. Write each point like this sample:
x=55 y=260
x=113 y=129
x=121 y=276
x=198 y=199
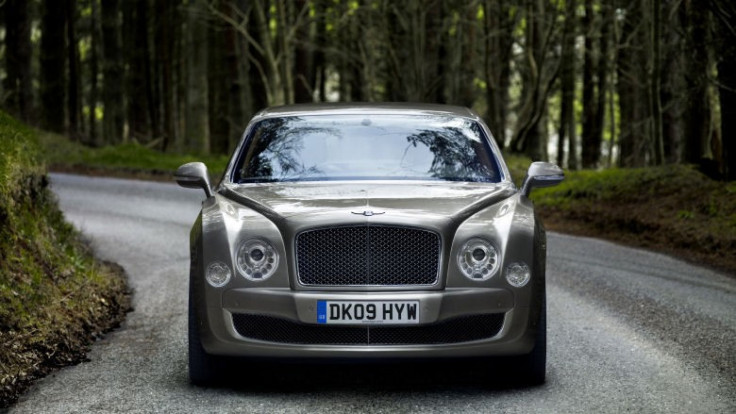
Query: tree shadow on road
x=384 y=375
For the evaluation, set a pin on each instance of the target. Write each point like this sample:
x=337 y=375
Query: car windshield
x=366 y=147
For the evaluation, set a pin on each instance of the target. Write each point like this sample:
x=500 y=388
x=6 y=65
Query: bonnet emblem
x=368 y=213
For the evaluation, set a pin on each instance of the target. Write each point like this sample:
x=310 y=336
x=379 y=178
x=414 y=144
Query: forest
x=583 y=83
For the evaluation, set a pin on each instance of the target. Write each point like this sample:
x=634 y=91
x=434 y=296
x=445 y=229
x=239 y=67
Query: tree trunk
x=465 y=95
x=257 y=65
x=74 y=109
x=196 y=128
x=567 y=85
x=540 y=74
x=697 y=112
x=499 y=24
x=94 y=36
x=655 y=103
x=604 y=63
x=674 y=92
x=235 y=114
x=725 y=13
x=112 y=74
x=53 y=68
x=303 y=60
x=163 y=62
x=727 y=78
x=141 y=111
x=591 y=140
x=18 y=87
x=217 y=82
x=284 y=40
x=631 y=90
x=319 y=75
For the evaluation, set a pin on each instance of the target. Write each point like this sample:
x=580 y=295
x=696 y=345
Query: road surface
x=629 y=331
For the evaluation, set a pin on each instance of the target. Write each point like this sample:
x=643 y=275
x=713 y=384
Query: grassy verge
x=674 y=209
x=55 y=298
x=129 y=160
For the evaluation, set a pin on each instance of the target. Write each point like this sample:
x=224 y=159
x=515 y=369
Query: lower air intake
x=455 y=330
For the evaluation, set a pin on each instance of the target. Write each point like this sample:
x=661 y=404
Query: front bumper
x=514 y=334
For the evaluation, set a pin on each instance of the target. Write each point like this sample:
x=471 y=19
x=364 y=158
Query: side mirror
x=194 y=175
x=541 y=174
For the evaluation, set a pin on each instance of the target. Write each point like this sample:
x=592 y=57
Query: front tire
x=532 y=367
x=204 y=369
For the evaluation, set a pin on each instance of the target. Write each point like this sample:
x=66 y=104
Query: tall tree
x=319 y=70
x=499 y=22
x=632 y=92
x=74 y=102
x=654 y=72
x=540 y=71
x=591 y=138
x=142 y=115
x=93 y=60
x=165 y=28
x=697 y=114
x=18 y=87
x=463 y=76
x=257 y=64
x=604 y=64
x=217 y=83
x=725 y=14
x=303 y=61
x=53 y=68
x=112 y=74
x=567 y=86
x=673 y=81
x=196 y=129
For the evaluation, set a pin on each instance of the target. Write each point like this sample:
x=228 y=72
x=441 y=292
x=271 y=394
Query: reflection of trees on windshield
x=397 y=148
x=275 y=150
x=455 y=157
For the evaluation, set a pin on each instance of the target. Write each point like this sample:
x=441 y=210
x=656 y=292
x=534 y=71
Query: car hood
x=429 y=200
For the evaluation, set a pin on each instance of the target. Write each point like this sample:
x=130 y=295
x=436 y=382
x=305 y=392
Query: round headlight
x=478 y=259
x=218 y=274
x=257 y=260
x=518 y=274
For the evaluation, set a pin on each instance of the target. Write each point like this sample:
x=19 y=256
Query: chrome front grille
x=368 y=255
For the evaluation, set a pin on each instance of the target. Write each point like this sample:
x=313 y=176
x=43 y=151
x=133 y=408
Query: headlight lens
x=218 y=274
x=257 y=260
x=478 y=259
x=518 y=274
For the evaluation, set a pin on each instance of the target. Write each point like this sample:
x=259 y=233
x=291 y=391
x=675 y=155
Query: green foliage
x=671 y=207
x=128 y=157
x=685 y=214
x=51 y=287
x=518 y=165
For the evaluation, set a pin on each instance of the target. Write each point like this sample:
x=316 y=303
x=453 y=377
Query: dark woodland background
x=584 y=83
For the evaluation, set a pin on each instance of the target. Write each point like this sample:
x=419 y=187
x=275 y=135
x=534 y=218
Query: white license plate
x=392 y=312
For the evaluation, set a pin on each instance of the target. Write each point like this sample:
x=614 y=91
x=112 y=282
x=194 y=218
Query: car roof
x=352 y=108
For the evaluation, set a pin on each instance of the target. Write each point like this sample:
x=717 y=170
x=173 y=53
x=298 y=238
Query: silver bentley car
x=367 y=231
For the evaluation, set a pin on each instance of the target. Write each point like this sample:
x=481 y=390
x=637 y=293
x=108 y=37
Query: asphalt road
x=629 y=331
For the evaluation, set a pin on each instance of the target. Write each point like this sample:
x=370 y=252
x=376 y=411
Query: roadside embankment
x=55 y=297
x=674 y=209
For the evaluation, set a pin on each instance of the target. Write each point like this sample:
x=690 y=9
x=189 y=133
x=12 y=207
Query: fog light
x=518 y=274
x=218 y=274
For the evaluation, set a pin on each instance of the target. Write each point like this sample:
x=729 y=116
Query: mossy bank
x=674 y=209
x=55 y=298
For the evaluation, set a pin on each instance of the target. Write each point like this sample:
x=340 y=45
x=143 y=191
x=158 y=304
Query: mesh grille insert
x=368 y=255
x=455 y=330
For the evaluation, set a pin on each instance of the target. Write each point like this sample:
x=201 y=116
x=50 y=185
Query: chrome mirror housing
x=541 y=174
x=194 y=175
